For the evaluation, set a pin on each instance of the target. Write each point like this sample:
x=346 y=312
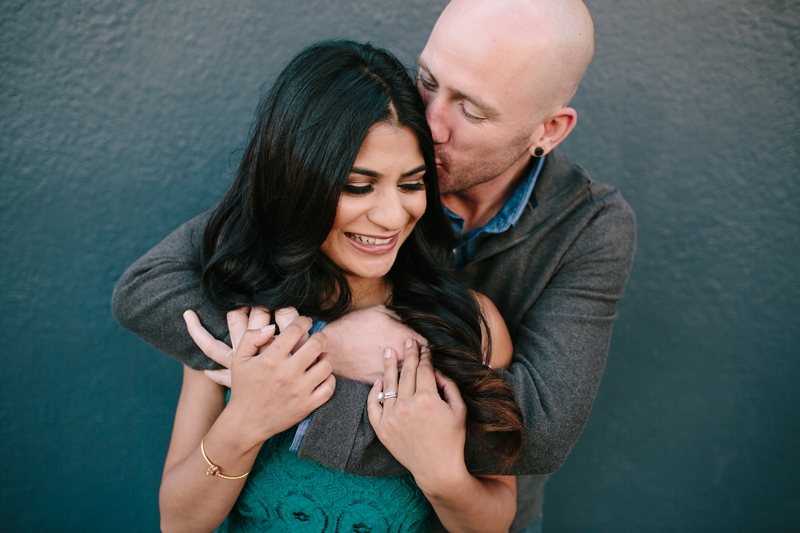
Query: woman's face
x=383 y=199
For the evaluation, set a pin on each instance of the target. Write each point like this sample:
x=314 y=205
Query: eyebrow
x=373 y=174
x=474 y=100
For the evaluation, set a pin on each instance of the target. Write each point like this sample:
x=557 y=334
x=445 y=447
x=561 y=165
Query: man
x=549 y=246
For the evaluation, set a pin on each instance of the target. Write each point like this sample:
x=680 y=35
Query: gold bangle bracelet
x=213 y=470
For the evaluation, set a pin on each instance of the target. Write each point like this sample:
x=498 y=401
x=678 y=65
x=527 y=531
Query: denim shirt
x=470 y=243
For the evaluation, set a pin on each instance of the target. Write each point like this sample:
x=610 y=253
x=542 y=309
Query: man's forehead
x=488 y=73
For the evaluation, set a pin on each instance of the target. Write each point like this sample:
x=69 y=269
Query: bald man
x=551 y=247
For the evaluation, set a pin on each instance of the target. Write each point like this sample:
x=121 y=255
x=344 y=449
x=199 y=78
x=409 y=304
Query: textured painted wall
x=118 y=122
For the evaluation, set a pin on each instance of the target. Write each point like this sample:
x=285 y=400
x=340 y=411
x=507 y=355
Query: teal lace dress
x=286 y=493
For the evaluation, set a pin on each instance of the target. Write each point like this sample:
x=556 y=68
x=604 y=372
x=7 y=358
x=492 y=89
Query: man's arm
x=561 y=346
x=151 y=296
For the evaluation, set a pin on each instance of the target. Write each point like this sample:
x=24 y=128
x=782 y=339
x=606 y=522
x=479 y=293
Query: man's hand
x=239 y=321
x=424 y=432
x=358 y=340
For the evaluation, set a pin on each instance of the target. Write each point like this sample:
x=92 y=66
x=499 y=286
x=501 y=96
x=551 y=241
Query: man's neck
x=480 y=203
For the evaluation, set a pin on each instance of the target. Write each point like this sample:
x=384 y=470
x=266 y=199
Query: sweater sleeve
x=151 y=296
x=562 y=343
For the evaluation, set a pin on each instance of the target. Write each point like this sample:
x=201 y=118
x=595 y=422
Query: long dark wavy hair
x=262 y=243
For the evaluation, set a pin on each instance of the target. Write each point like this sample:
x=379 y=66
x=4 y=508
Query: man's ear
x=552 y=131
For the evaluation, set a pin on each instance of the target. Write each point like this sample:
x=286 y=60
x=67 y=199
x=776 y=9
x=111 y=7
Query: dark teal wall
x=118 y=121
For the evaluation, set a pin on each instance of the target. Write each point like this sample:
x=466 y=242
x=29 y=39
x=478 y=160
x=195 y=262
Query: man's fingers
x=408 y=377
x=259 y=317
x=214 y=349
x=285 y=316
x=221 y=377
x=237 y=324
x=374 y=411
x=450 y=391
x=425 y=375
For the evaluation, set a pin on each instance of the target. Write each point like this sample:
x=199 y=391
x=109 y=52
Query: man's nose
x=436 y=115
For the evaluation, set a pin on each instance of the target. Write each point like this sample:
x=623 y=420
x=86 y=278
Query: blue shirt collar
x=509 y=214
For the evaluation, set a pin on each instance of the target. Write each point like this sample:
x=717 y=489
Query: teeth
x=368 y=240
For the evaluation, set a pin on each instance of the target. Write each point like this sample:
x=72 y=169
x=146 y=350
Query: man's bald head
x=546 y=45
x=496 y=76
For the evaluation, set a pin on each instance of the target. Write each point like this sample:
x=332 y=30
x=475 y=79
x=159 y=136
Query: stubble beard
x=455 y=177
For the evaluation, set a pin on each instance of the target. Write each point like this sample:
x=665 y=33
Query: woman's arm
x=273 y=390
x=502 y=349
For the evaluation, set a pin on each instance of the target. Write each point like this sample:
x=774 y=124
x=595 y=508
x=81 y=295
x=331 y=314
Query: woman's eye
x=413 y=187
x=357 y=190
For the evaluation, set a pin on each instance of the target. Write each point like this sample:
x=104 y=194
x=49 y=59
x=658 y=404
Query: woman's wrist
x=445 y=482
x=233 y=438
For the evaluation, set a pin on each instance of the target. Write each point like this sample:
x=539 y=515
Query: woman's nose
x=389 y=211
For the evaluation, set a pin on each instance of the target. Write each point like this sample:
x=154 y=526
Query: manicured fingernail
x=267 y=329
x=388 y=353
x=424 y=349
x=409 y=343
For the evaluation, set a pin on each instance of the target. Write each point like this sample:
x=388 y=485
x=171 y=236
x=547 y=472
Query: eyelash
x=471 y=118
x=428 y=86
x=361 y=190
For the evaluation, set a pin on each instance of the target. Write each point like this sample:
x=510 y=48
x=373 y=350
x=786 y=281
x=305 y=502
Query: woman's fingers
x=323 y=392
x=252 y=342
x=221 y=376
x=408 y=377
x=390 y=384
x=291 y=333
x=284 y=317
x=214 y=349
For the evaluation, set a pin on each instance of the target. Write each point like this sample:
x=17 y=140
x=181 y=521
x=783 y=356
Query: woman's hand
x=426 y=433
x=239 y=321
x=278 y=382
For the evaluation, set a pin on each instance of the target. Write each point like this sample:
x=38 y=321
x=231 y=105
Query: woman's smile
x=372 y=245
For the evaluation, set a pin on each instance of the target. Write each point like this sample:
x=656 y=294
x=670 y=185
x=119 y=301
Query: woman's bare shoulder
x=502 y=348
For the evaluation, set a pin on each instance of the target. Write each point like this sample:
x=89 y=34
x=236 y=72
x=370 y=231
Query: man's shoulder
x=566 y=185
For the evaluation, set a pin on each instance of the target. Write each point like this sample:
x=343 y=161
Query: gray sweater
x=556 y=278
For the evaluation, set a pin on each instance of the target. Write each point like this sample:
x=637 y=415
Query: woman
x=334 y=208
